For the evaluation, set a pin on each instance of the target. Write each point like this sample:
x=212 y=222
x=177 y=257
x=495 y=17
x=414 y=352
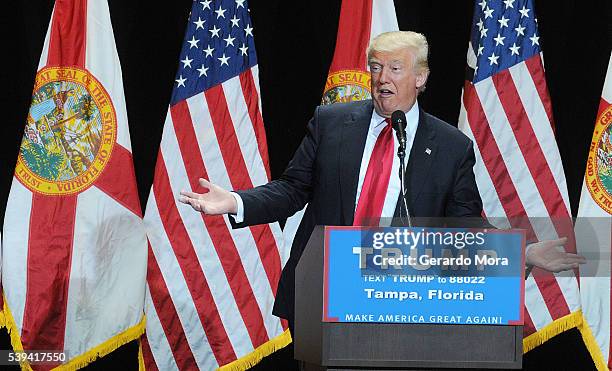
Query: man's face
x=394 y=81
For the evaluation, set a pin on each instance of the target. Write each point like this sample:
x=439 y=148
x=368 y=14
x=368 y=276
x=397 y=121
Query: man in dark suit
x=337 y=168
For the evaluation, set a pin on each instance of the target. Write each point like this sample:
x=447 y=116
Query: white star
x=239 y=4
x=220 y=12
x=181 y=81
x=499 y=40
x=493 y=59
x=202 y=71
x=209 y=51
x=479 y=24
x=488 y=13
x=524 y=12
x=248 y=30
x=244 y=49
x=480 y=49
x=503 y=22
x=214 y=31
x=483 y=32
x=193 y=43
x=476 y=70
x=199 y=23
x=519 y=30
x=483 y=4
x=187 y=62
x=235 y=21
x=534 y=40
x=514 y=49
x=224 y=60
x=509 y=3
x=205 y=4
x=229 y=40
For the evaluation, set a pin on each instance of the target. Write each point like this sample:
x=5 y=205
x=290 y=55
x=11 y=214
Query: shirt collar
x=412 y=118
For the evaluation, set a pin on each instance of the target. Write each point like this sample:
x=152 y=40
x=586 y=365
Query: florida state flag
x=594 y=234
x=74 y=247
x=360 y=21
x=348 y=78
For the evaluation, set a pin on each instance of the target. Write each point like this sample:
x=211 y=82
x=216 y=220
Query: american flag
x=211 y=288
x=506 y=111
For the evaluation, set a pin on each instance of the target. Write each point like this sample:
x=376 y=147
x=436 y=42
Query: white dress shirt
x=377 y=124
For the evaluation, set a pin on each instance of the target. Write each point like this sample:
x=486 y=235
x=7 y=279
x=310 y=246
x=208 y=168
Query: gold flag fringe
x=84 y=359
x=141 y=365
x=552 y=329
x=11 y=327
x=105 y=348
x=592 y=346
x=562 y=324
x=253 y=358
x=573 y=320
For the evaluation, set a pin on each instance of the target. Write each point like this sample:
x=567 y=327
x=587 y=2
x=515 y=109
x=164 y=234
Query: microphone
x=398 y=123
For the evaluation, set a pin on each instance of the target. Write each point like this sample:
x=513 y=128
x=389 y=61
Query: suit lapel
x=352 y=144
x=423 y=151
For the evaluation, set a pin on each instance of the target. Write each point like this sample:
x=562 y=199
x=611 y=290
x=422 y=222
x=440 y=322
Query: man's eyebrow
x=393 y=61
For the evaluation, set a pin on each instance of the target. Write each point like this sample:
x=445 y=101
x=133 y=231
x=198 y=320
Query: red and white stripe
x=520 y=175
x=211 y=288
x=75 y=265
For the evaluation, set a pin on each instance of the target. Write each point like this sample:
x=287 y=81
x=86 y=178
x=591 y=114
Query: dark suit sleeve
x=465 y=200
x=287 y=195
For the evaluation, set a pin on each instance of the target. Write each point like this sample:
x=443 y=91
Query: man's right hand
x=214 y=202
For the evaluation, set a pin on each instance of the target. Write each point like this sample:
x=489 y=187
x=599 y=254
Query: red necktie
x=376 y=181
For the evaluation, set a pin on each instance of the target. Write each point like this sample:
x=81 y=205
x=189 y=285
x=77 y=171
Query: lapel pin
x=428 y=151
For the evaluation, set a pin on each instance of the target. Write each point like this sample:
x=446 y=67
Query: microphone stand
x=401 y=153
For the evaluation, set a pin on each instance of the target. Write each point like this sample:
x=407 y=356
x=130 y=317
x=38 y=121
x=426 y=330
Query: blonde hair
x=396 y=40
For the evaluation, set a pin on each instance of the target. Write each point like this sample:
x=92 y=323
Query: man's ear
x=421 y=78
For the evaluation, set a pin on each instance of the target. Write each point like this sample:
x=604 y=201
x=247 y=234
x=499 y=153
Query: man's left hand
x=549 y=255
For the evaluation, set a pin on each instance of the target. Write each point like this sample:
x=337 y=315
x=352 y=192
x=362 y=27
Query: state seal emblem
x=70 y=132
x=599 y=164
x=346 y=86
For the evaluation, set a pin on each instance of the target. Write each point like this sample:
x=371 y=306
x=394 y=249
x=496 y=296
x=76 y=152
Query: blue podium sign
x=424 y=275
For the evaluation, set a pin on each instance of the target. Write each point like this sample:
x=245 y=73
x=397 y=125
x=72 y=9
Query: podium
x=390 y=346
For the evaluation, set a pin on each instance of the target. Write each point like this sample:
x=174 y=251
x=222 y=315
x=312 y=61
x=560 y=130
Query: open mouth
x=385 y=93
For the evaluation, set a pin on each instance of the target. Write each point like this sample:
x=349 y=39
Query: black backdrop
x=295 y=43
